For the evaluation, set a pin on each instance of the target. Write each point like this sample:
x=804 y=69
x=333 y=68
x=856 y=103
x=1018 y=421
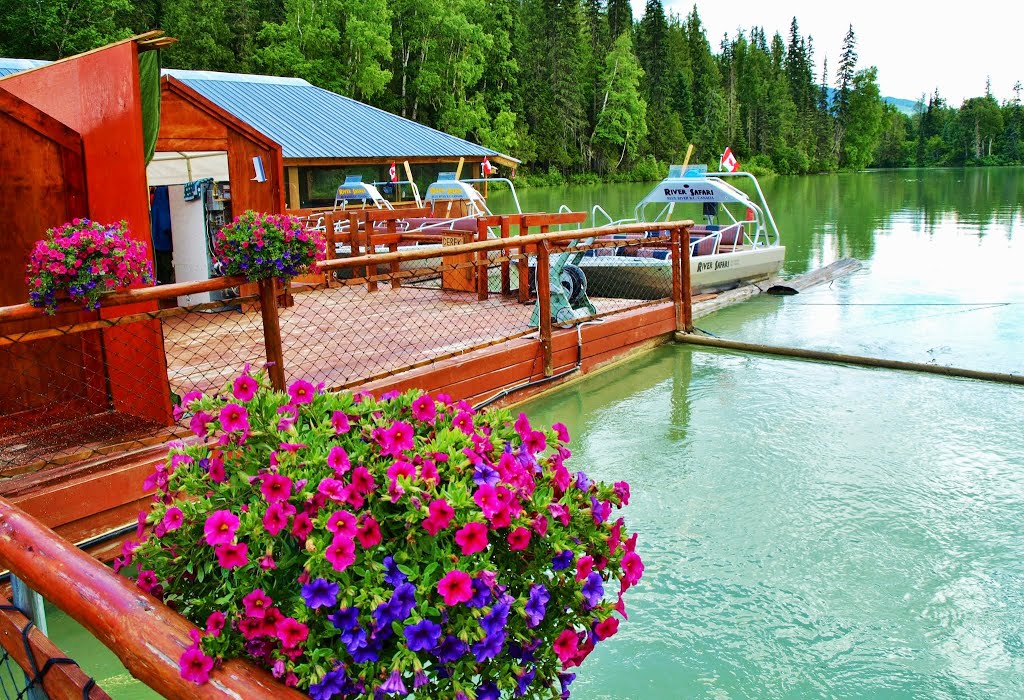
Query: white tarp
x=177 y=168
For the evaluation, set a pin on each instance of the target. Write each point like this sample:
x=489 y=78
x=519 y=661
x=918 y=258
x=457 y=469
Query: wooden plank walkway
x=347 y=335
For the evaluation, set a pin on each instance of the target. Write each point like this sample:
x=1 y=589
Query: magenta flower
x=472 y=538
x=172 y=519
x=561 y=431
x=244 y=387
x=340 y=422
x=423 y=409
x=291 y=632
x=276 y=487
x=535 y=442
x=522 y=426
x=487 y=498
x=632 y=568
x=147 y=580
x=341 y=552
x=368 y=533
x=464 y=422
x=301 y=391
x=232 y=556
x=276 y=518
x=195 y=666
x=338 y=460
x=584 y=565
x=362 y=480
x=397 y=438
x=333 y=489
x=439 y=515
x=233 y=417
x=566 y=646
x=257 y=603
x=215 y=623
x=220 y=527
x=456 y=587
x=622 y=491
x=606 y=628
x=342 y=523
x=519 y=539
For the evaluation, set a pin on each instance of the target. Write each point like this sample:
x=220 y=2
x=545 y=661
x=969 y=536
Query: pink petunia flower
x=566 y=646
x=257 y=603
x=561 y=431
x=342 y=523
x=291 y=632
x=423 y=409
x=584 y=565
x=341 y=552
x=340 y=422
x=232 y=556
x=301 y=391
x=632 y=568
x=519 y=539
x=276 y=487
x=220 y=527
x=244 y=387
x=195 y=665
x=215 y=623
x=456 y=587
x=368 y=533
x=276 y=518
x=173 y=519
x=440 y=514
x=302 y=526
x=362 y=481
x=396 y=439
x=464 y=423
x=472 y=538
x=606 y=628
x=234 y=418
x=337 y=459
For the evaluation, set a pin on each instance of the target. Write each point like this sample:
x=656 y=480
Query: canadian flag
x=729 y=162
x=393 y=173
x=487 y=167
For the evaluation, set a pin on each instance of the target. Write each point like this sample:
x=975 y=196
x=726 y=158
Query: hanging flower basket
x=82 y=260
x=262 y=246
x=359 y=547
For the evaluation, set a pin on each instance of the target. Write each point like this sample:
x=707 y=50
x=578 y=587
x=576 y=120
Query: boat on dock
x=733 y=246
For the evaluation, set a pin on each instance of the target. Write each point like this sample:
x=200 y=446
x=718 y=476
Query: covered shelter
x=323 y=136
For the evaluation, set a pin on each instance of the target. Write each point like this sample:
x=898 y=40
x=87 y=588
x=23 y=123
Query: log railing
x=147 y=636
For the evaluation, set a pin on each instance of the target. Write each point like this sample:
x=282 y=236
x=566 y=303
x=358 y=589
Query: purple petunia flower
x=394 y=684
x=484 y=474
x=451 y=649
x=487 y=691
x=562 y=560
x=345 y=618
x=489 y=647
x=536 y=605
x=583 y=482
x=496 y=620
x=481 y=594
x=565 y=680
x=403 y=600
x=392 y=576
x=593 y=589
x=320 y=593
x=523 y=681
x=423 y=635
x=333 y=683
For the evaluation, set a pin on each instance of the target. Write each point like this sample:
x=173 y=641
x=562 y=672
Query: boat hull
x=627 y=277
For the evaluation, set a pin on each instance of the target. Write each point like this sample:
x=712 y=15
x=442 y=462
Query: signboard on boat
x=695 y=190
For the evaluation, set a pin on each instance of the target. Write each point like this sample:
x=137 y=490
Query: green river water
x=812 y=530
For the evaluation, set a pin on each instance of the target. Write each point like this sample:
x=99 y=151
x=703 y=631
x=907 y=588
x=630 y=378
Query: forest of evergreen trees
x=578 y=89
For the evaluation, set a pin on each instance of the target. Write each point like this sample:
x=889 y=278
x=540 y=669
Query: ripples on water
x=809 y=530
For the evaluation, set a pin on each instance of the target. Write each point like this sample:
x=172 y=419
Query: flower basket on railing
x=82 y=260
x=263 y=246
x=358 y=547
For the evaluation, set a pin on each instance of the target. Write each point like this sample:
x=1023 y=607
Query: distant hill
x=905 y=106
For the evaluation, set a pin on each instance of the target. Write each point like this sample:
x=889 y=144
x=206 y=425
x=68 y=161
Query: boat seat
x=700 y=245
x=732 y=236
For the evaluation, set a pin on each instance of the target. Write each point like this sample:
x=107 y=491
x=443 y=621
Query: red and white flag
x=487 y=168
x=729 y=162
x=393 y=172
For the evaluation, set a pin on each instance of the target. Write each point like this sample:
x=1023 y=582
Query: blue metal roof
x=9 y=66
x=310 y=122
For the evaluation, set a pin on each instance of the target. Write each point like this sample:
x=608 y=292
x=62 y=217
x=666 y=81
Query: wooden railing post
x=523 y=264
x=272 y=333
x=678 y=301
x=544 y=303
x=687 y=291
x=329 y=237
x=506 y=277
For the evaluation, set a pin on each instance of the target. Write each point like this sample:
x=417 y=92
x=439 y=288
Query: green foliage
x=531 y=78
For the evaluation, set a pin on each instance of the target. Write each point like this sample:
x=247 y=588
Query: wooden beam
x=294 y=197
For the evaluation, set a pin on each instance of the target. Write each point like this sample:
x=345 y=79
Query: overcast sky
x=917 y=46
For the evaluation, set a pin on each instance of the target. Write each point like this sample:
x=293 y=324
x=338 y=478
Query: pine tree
x=620 y=18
